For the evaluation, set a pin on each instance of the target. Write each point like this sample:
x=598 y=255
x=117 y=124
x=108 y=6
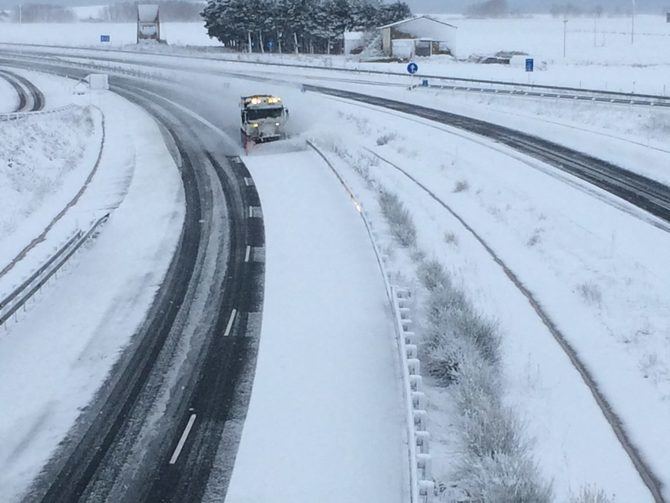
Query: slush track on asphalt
x=210 y=296
x=30 y=97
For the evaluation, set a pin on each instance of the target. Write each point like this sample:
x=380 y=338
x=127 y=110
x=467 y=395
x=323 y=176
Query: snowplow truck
x=263 y=119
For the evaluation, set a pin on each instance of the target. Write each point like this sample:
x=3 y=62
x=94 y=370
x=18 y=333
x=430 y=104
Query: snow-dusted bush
x=591 y=293
x=398 y=218
x=591 y=495
x=461 y=186
x=451 y=239
x=463 y=350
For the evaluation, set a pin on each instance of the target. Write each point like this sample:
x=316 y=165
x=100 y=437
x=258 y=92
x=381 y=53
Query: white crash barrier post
x=422 y=441
x=420 y=419
x=415 y=382
x=424 y=463
x=411 y=351
x=410 y=338
x=414 y=366
x=418 y=400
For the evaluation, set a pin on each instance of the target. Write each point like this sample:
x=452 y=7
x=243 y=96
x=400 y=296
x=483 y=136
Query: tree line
x=314 y=26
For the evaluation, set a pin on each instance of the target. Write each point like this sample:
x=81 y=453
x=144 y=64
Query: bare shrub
x=386 y=138
x=590 y=292
x=461 y=186
x=432 y=274
x=451 y=239
x=591 y=494
x=398 y=219
x=535 y=239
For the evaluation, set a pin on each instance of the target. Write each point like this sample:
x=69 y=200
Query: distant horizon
x=440 y=6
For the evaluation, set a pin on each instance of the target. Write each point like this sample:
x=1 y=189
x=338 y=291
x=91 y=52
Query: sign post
x=530 y=64
x=412 y=69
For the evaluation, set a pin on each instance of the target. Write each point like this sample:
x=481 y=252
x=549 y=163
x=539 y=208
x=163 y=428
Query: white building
x=417 y=36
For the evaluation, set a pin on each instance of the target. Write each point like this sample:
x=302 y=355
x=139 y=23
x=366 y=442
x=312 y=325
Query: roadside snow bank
x=44 y=162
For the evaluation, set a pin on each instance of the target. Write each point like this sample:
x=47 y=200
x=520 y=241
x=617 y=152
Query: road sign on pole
x=105 y=38
x=530 y=64
x=412 y=68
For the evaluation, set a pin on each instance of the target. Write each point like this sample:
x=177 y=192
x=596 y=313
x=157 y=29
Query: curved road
x=30 y=97
x=155 y=429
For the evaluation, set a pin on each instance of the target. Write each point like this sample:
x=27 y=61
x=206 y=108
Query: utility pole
x=632 y=27
x=20 y=13
x=565 y=36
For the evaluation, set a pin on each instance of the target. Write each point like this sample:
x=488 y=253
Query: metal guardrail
x=9 y=116
x=422 y=486
x=24 y=292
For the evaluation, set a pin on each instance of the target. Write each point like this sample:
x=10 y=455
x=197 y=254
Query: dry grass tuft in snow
x=591 y=495
x=463 y=354
x=398 y=218
x=591 y=293
x=461 y=186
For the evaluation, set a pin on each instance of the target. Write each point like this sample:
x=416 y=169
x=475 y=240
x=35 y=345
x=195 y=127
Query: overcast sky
x=427 y=6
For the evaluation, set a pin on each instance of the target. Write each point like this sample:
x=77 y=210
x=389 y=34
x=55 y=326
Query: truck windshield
x=263 y=113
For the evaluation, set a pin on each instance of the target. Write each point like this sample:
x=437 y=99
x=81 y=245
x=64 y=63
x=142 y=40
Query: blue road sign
x=530 y=64
x=105 y=38
x=412 y=68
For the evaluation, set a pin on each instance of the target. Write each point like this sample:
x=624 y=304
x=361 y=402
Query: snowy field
x=591 y=61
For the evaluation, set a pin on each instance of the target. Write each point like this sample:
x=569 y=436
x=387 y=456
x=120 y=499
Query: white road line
x=182 y=440
x=248 y=254
x=229 y=327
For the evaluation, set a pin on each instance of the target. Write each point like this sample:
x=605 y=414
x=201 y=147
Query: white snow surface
x=8 y=98
x=44 y=161
x=583 y=262
x=325 y=422
x=55 y=357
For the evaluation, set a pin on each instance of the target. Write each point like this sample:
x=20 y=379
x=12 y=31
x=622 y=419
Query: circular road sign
x=412 y=68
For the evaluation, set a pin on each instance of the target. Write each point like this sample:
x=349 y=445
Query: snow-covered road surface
x=325 y=421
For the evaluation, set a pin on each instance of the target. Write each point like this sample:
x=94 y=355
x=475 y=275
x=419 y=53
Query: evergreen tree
x=294 y=25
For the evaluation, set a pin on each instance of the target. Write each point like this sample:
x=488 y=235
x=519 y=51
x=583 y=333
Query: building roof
x=415 y=18
x=147 y=13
